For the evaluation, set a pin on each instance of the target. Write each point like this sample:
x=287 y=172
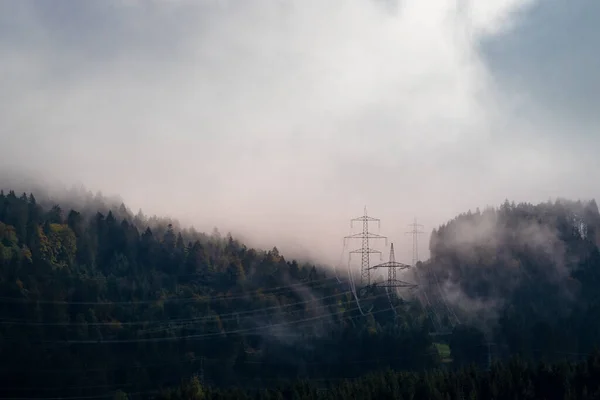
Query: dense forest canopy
x=525 y=274
x=107 y=302
x=515 y=380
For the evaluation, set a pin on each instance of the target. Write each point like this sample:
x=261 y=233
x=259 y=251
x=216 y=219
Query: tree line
x=512 y=380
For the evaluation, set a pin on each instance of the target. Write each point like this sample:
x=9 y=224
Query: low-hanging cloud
x=282 y=119
x=483 y=261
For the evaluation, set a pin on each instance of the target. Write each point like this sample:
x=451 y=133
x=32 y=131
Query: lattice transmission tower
x=415 y=232
x=392 y=267
x=365 y=251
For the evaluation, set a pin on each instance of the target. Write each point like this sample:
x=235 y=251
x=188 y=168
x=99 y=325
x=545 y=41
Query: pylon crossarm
x=367 y=235
x=365 y=218
x=359 y=251
x=398 y=284
x=390 y=264
x=384 y=265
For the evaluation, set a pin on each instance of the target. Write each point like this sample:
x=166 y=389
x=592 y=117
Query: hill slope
x=90 y=301
x=526 y=275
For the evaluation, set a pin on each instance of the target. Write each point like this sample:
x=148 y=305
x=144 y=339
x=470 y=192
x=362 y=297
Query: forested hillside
x=94 y=302
x=97 y=301
x=528 y=276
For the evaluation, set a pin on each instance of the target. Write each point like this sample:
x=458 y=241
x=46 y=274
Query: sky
x=280 y=120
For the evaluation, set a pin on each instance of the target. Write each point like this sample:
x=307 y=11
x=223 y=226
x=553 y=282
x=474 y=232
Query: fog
x=280 y=120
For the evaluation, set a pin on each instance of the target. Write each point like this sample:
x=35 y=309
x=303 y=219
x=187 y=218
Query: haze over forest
x=277 y=121
x=280 y=120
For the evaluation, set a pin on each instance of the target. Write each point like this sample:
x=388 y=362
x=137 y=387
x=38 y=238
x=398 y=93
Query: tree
x=121 y=395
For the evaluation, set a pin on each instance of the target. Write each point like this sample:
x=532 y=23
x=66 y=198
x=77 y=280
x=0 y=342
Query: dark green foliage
x=528 y=275
x=92 y=300
x=514 y=380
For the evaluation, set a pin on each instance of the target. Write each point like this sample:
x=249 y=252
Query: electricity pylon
x=392 y=266
x=415 y=232
x=365 y=251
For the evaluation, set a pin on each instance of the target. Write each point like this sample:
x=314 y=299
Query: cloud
x=282 y=119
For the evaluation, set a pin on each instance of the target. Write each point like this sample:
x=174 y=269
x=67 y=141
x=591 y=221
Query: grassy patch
x=444 y=351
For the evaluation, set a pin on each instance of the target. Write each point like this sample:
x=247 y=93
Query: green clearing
x=444 y=351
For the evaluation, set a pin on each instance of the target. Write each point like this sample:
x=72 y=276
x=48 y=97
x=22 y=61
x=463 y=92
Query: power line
x=165 y=300
x=174 y=323
x=353 y=290
x=229 y=316
x=202 y=335
x=142 y=366
x=247 y=314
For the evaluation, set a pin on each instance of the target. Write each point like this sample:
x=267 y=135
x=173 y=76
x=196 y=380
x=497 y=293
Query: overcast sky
x=282 y=119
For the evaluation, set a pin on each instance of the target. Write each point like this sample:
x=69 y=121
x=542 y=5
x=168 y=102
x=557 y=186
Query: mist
x=482 y=263
x=280 y=120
